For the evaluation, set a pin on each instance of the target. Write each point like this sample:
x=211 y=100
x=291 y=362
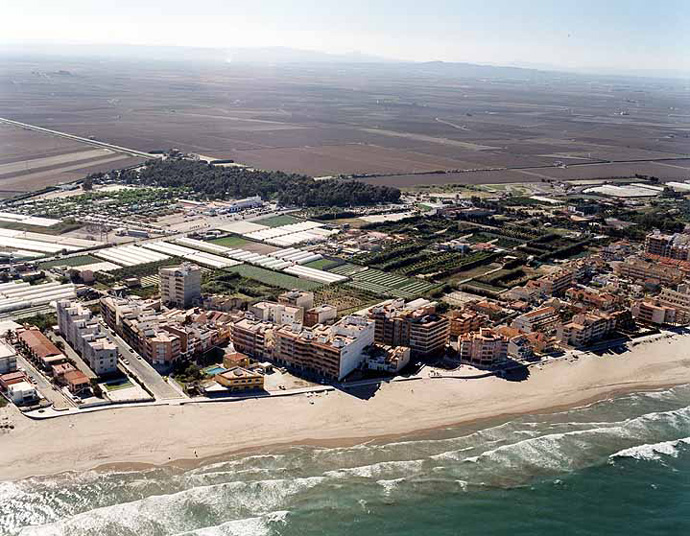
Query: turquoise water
x=621 y=466
x=214 y=370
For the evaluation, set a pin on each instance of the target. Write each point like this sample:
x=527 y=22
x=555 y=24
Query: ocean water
x=620 y=466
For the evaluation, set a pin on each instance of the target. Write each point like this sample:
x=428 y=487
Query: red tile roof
x=39 y=343
x=76 y=377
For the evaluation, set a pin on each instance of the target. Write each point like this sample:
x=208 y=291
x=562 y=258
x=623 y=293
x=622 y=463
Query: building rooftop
x=11 y=376
x=39 y=343
x=22 y=387
x=539 y=312
x=239 y=372
x=6 y=350
x=63 y=368
x=76 y=377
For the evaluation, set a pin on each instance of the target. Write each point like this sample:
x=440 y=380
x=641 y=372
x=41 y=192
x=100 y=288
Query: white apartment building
x=542 y=320
x=278 y=313
x=331 y=351
x=8 y=358
x=85 y=335
x=678 y=300
x=180 y=285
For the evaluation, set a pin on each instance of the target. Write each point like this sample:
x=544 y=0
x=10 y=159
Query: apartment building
x=297 y=298
x=556 y=283
x=649 y=312
x=142 y=327
x=603 y=301
x=543 y=320
x=584 y=329
x=414 y=324
x=8 y=358
x=462 y=322
x=484 y=348
x=253 y=337
x=643 y=270
x=83 y=333
x=673 y=246
x=321 y=314
x=278 y=313
x=679 y=300
x=330 y=351
x=180 y=285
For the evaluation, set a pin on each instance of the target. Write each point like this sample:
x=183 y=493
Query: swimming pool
x=214 y=370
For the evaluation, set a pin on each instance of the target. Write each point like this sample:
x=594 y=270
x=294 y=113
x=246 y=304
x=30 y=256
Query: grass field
x=387 y=284
x=275 y=279
x=79 y=260
x=346 y=269
x=277 y=221
x=57 y=229
x=230 y=241
x=118 y=384
x=323 y=264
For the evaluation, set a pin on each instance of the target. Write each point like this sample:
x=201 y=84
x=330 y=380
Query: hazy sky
x=621 y=34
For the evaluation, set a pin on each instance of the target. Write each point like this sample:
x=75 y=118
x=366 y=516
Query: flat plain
x=31 y=160
x=395 y=122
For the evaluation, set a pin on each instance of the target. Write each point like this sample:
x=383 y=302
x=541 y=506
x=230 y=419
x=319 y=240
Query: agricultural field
x=477 y=127
x=325 y=264
x=234 y=284
x=386 y=284
x=346 y=298
x=31 y=160
x=278 y=221
x=79 y=260
x=347 y=269
x=63 y=227
x=232 y=241
x=274 y=279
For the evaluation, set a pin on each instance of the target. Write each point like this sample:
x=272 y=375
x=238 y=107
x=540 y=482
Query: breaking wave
x=261 y=494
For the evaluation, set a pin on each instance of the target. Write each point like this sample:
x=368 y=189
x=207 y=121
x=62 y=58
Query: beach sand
x=186 y=434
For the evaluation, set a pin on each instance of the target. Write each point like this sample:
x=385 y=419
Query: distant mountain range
x=287 y=56
x=265 y=55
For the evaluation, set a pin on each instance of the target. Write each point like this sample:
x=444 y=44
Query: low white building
x=22 y=393
x=391 y=359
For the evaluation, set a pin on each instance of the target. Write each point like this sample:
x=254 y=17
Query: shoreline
x=345 y=442
x=187 y=436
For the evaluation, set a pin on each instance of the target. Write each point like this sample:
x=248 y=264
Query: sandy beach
x=189 y=433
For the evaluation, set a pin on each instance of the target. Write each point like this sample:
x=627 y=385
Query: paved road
x=146 y=373
x=94 y=143
x=53 y=395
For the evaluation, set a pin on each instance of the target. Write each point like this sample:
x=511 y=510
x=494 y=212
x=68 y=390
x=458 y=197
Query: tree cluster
x=214 y=182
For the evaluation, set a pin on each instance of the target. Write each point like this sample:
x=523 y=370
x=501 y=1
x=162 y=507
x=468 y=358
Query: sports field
x=278 y=221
